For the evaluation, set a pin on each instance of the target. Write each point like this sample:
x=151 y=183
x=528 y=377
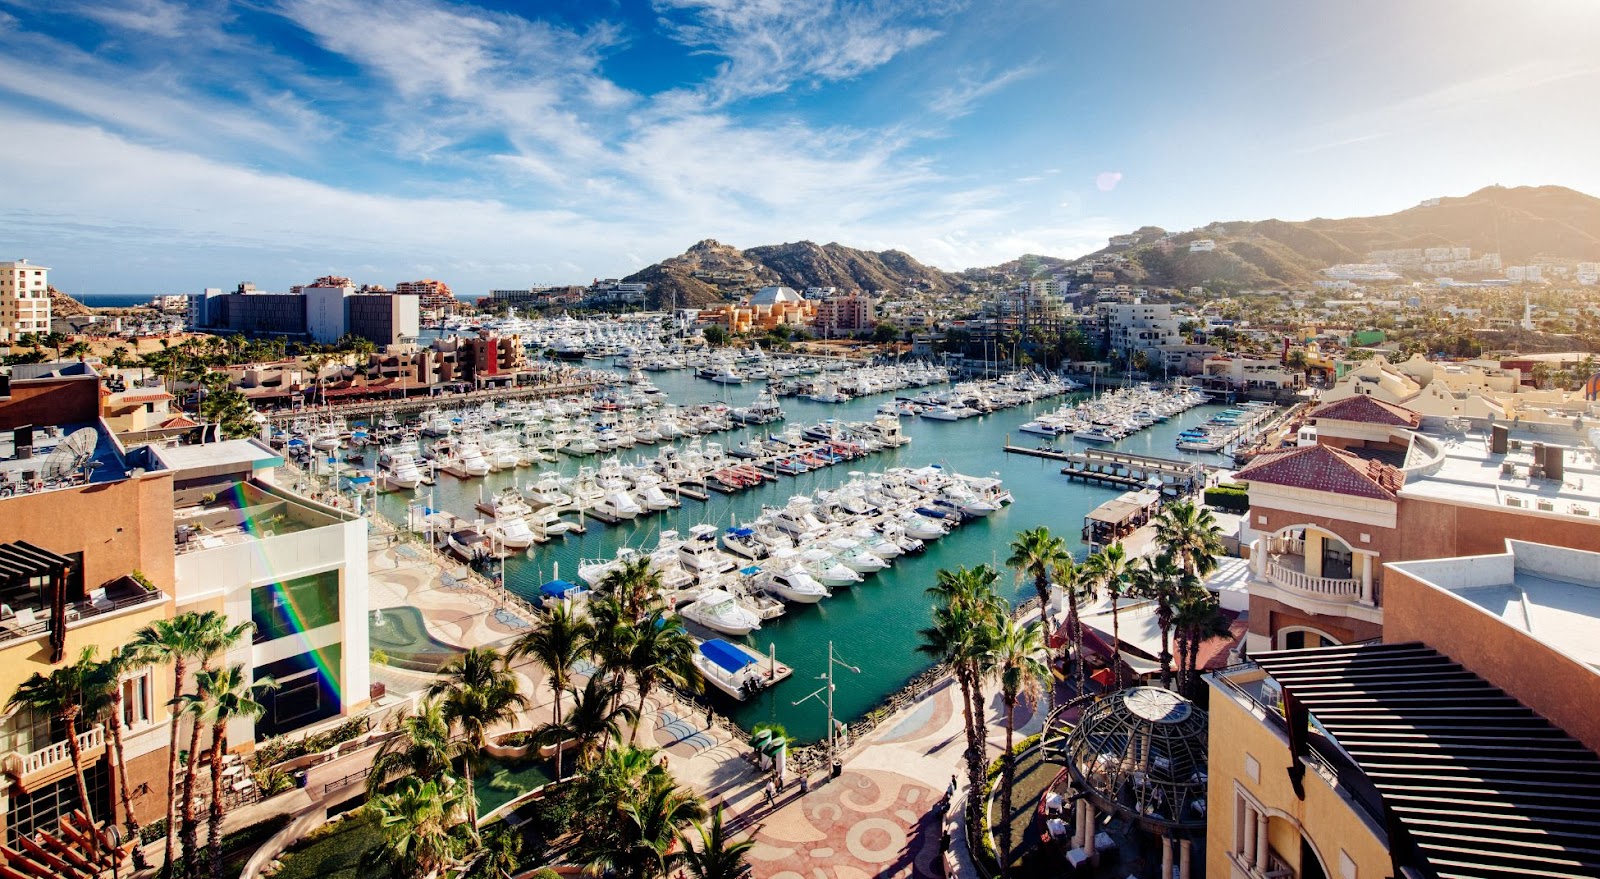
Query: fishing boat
x=720 y=611
x=729 y=667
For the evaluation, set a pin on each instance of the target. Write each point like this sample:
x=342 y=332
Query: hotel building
x=24 y=299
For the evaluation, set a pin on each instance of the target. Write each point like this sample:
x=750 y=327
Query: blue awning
x=741 y=532
x=725 y=655
x=557 y=588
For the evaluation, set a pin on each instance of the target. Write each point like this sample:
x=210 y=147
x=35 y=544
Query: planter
x=495 y=749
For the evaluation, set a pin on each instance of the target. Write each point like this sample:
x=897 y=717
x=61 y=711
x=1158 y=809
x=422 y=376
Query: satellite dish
x=69 y=456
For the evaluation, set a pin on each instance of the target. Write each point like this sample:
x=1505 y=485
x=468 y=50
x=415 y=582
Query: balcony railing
x=1286 y=546
x=54 y=760
x=1329 y=587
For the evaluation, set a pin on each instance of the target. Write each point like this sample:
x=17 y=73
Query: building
x=434 y=298
x=1463 y=745
x=1202 y=245
x=324 y=311
x=1367 y=487
x=24 y=299
x=383 y=318
x=86 y=560
x=1139 y=326
x=766 y=309
x=295 y=569
x=1239 y=373
x=845 y=314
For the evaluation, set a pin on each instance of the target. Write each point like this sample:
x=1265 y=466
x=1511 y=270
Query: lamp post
x=828 y=689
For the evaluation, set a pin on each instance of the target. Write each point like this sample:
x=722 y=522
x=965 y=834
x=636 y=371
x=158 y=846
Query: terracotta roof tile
x=1363 y=408
x=1322 y=468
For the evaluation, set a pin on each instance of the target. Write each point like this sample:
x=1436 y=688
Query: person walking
x=805 y=785
x=769 y=794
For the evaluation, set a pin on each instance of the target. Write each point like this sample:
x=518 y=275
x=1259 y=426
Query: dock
x=1121 y=469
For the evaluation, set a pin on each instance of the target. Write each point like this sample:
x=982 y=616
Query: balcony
x=53 y=762
x=1284 y=566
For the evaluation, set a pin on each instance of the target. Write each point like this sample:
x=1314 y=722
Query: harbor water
x=875 y=624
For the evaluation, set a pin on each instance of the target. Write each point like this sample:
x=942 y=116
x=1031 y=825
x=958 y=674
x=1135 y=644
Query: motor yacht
x=699 y=553
x=720 y=611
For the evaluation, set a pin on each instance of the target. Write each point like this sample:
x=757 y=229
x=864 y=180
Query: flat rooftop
x=61 y=461
x=1550 y=592
x=1471 y=473
x=212 y=459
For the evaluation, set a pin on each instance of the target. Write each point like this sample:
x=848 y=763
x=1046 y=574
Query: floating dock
x=1123 y=469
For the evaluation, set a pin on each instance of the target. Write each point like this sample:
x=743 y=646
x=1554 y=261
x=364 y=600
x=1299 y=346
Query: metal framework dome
x=1141 y=753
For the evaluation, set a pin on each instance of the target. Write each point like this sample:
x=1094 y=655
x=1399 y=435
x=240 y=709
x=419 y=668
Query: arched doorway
x=1301 y=637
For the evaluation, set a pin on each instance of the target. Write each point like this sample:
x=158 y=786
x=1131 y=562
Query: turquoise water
x=500 y=781
x=875 y=624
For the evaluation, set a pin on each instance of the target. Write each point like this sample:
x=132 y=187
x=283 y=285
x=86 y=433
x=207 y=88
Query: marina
x=852 y=617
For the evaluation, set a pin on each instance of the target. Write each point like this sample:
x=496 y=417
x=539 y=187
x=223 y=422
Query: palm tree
x=422 y=750
x=60 y=695
x=1077 y=588
x=1017 y=653
x=177 y=640
x=1189 y=533
x=593 y=718
x=476 y=691
x=1035 y=554
x=79 y=349
x=960 y=636
x=102 y=697
x=659 y=652
x=637 y=847
x=1162 y=579
x=717 y=856
x=500 y=855
x=231 y=695
x=419 y=820
x=1109 y=570
x=118 y=358
x=558 y=640
x=215 y=637
x=634 y=583
x=1197 y=617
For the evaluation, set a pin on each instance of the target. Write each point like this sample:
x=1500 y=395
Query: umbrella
x=1103 y=677
x=774 y=746
x=759 y=740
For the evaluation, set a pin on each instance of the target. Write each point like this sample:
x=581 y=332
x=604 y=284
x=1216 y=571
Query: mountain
x=1522 y=224
x=712 y=272
x=62 y=305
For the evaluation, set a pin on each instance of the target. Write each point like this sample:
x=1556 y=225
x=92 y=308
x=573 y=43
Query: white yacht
x=820 y=564
x=699 y=553
x=512 y=533
x=720 y=611
x=618 y=504
x=855 y=556
x=789 y=580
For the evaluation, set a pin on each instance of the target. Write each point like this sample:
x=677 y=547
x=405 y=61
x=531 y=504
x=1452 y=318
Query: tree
x=79 y=349
x=884 y=333
x=1017 y=652
x=1034 y=555
x=593 y=717
x=102 y=697
x=1108 y=570
x=717 y=856
x=60 y=695
x=1196 y=617
x=500 y=855
x=660 y=652
x=177 y=641
x=716 y=335
x=476 y=691
x=649 y=824
x=557 y=641
x=227 y=694
x=961 y=636
x=118 y=358
x=634 y=583
x=421 y=823
x=1189 y=533
x=1160 y=578
x=423 y=749
x=215 y=637
x=226 y=407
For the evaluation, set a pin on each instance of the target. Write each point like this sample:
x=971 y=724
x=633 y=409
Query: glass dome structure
x=1141 y=753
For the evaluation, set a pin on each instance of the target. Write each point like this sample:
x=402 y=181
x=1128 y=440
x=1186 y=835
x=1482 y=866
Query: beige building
x=1463 y=745
x=24 y=299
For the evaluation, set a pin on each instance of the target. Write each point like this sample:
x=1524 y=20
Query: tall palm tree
x=79 y=349
x=638 y=846
x=500 y=855
x=593 y=718
x=1017 y=653
x=1162 y=579
x=420 y=821
x=215 y=637
x=1034 y=555
x=177 y=641
x=102 y=697
x=1109 y=570
x=960 y=635
x=1077 y=588
x=634 y=583
x=1190 y=534
x=476 y=691
x=660 y=652
x=557 y=641
x=231 y=696
x=717 y=856
x=1196 y=618
x=60 y=695
x=423 y=749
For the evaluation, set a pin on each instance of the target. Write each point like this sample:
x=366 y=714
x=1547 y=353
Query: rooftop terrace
x=60 y=456
x=1471 y=473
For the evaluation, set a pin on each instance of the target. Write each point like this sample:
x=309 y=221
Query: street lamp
x=828 y=689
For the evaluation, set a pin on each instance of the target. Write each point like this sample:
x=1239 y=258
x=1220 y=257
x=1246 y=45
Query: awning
x=725 y=655
x=557 y=588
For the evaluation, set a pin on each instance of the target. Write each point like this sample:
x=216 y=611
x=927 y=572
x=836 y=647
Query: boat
x=854 y=556
x=1095 y=434
x=729 y=667
x=830 y=571
x=469 y=544
x=512 y=532
x=557 y=591
x=789 y=580
x=618 y=504
x=699 y=554
x=742 y=541
x=720 y=611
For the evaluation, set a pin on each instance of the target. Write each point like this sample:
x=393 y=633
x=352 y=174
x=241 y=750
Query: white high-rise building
x=24 y=299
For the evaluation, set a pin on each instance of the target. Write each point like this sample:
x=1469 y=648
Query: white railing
x=1337 y=587
x=1286 y=546
x=58 y=752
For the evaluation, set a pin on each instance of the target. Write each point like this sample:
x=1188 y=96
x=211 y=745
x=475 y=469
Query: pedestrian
x=780 y=784
x=768 y=794
x=805 y=785
x=951 y=793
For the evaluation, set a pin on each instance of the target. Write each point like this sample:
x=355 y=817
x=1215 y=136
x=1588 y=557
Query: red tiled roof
x=1321 y=468
x=178 y=421
x=1363 y=408
x=149 y=397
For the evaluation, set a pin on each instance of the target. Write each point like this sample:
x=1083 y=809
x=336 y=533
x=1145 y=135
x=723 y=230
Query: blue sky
x=156 y=146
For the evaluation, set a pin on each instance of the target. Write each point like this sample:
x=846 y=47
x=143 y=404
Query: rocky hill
x=1522 y=224
x=62 y=305
x=713 y=272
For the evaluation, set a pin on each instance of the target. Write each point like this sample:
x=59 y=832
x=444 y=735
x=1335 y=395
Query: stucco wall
x=119 y=527
x=51 y=401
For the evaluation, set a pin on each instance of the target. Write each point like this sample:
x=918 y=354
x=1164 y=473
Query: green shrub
x=334 y=850
x=551 y=815
x=1229 y=497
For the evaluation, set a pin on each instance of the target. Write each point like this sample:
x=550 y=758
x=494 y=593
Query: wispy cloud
x=768 y=46
x=973 y=84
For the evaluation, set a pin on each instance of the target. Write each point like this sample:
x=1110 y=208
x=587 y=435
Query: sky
x=153 y=146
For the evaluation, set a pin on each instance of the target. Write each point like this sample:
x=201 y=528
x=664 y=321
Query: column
x=1088 y=829
x=1183 y=859
x=1078 y=814
x=1166 y=857
x=1366 y=578
x=1263 y=859
x=1250 y=827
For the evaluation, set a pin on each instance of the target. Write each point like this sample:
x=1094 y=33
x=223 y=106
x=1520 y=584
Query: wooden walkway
x=423 y=401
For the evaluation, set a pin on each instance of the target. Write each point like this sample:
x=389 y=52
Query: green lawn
x=335 y=854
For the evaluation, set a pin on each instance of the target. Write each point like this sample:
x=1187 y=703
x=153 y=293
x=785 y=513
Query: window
x=136 y=707
x=43 y=808
x=293 y=606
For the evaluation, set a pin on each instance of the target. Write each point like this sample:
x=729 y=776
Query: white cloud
x=769 y=46
x=972 y=84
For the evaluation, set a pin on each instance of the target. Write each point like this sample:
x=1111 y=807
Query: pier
x=1121 y=469
x=286 y=417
